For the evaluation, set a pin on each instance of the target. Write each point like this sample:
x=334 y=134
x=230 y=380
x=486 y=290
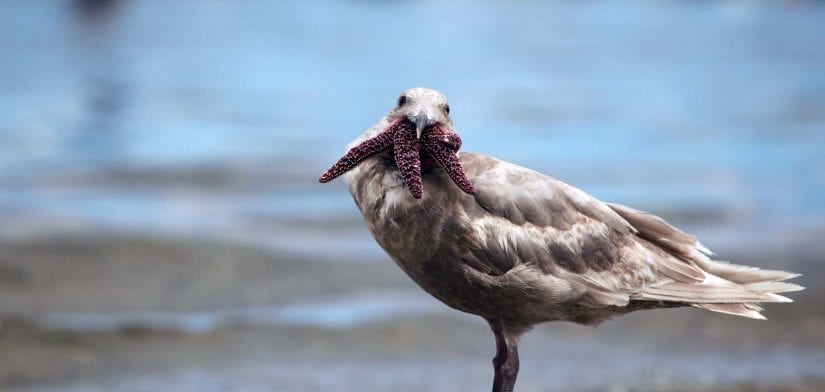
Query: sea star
x=400 y=136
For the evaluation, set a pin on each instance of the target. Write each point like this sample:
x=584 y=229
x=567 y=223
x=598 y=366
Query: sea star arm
x=375 y=145
x=443 y=147
x=407 y=158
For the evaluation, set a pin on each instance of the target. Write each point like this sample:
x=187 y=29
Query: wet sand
x=316 y=325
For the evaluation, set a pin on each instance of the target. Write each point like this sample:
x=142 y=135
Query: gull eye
x=402 y=100
x=447 y=109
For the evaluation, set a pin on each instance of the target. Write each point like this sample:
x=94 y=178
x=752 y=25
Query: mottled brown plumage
x=522 y=248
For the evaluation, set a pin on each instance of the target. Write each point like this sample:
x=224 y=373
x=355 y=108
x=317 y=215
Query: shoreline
x=167 y=305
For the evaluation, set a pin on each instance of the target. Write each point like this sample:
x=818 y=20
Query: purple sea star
x=400 y=136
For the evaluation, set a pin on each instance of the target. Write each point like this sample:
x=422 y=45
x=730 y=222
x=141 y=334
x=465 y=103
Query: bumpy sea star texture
x=440 y=144
x=407 y=157
x=376 y=145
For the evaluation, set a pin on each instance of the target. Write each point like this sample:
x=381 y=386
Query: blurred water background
x=162 y=228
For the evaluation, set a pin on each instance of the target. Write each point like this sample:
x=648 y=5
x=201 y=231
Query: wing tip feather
x=751 y=311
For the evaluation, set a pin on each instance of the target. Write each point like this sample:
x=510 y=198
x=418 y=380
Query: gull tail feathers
x=707 y=293
x=720 y=295
x=694 y=279
x=743 y=274
x=744 y=310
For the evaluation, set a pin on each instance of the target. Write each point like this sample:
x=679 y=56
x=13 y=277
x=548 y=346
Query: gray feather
x=529 y=248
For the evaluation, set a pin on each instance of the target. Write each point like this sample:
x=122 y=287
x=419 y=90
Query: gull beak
x=422 y=121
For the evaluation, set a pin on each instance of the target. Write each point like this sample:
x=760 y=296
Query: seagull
x=520 y=248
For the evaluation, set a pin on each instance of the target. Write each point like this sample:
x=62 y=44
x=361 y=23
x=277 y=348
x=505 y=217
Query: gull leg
x=505 y=363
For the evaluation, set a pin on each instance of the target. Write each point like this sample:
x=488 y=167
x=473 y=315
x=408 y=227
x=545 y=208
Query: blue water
x=214 y=119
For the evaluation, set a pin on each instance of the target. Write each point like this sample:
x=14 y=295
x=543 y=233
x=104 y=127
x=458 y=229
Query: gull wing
x=524 y=222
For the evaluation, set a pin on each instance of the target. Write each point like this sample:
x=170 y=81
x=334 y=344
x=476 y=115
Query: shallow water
x=339 y=312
